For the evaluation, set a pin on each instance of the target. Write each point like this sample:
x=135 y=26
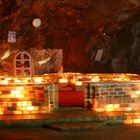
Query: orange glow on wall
x=63 y=80
x=27 y=96
x=38 y=79
x=35 y=95
x=30 y=108
x=17 y=81
x=136 y=121
x=78 y=83
x=4 y=81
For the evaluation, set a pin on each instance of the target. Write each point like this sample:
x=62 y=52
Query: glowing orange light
x=17 y=81
x=17 y=94
x=1 y=111
x=4 y=81
x=17 y=112
x=78 y=83
x=36 y=108
x=63 y=80
x=95 y=79
x=128 y=109
x=25 y=81
x=137 y=92
x=136 y=120
x=44 y=111
x=19 y=88
x=99 y=109
x=116 y=106
x=128 y=121
x=24 y=103
x=30 y=108
x=109 y=107
x=38 y=80
x=79 y=77
x=19 y=104
x=8 y=78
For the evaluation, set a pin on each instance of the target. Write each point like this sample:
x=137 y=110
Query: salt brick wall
x=31 y=99
x=122 y=96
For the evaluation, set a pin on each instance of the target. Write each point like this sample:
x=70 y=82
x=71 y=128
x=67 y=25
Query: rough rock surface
x=96 y=36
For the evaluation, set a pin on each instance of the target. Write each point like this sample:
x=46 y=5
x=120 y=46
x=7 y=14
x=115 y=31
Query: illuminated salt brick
x=116 y=106
x=4 y=104
x=109 y=107
x=1 y=112
x=134 y=95
x=44 y=111
x=128 y=109
x=23 y=92
x=25 y=81
x=63 y=80
x=137 y=92
x=95 y=79
x=29 y=103
x=35 y=112
x=36 y=108
x=9 y=104
x=22 y=108
x=17 y=81
x=128 y=121
x=26 y=112
x=22 y=103
x=100 y=110
x=12 y=96
x=5 y=96
x=39 y=80
x=17 y=112
x=136 y=106
x=20 y=88
x=79 y=83
x=121 y=109
x=43 y=107
x=7 y=78
x=4 y=82
x=19 y=95
x=136 y=121
x=19 y=104
x=15 y=92
x=30 y=108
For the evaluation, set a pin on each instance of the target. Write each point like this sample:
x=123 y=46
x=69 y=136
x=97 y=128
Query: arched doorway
x=23 y=64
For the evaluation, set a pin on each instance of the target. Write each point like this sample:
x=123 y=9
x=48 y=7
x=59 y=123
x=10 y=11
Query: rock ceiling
x=80 y=28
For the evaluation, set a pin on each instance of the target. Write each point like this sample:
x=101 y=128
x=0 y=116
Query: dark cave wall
x=75 y=57
x=80 y=28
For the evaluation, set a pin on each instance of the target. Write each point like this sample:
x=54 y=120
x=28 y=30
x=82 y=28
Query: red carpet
x=69 y=98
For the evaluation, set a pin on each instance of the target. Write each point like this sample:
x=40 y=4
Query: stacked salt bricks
x=27 y=97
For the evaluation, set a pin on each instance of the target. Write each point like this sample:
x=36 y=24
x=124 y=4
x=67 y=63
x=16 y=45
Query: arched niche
x=23 y=64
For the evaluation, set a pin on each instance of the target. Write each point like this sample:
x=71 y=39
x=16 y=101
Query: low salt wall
x=112 y=96
x=27 y=97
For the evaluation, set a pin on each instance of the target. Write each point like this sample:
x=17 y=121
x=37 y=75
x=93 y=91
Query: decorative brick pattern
x=113 y=96
x=25 y=99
